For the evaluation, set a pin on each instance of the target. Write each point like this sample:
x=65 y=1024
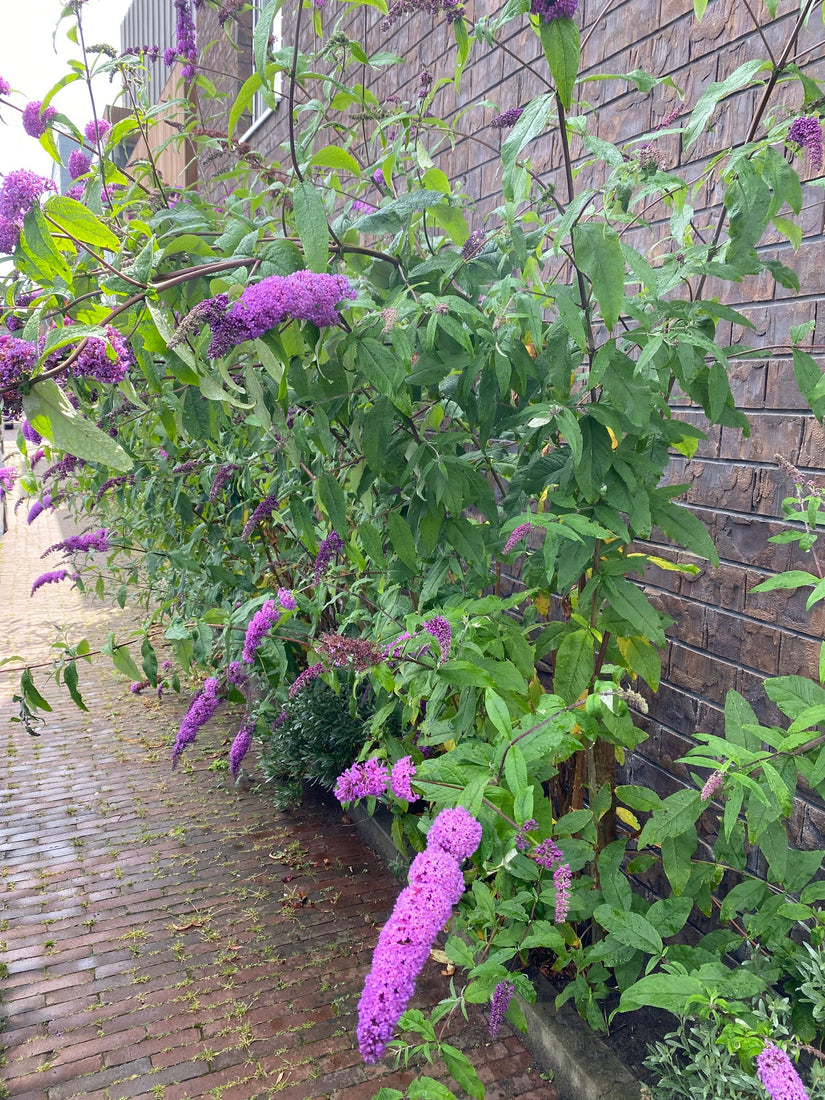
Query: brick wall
x=722 y=637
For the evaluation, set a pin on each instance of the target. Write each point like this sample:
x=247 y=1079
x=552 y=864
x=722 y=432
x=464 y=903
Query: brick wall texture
x=722 y=636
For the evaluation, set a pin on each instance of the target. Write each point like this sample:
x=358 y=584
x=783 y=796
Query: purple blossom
x=96 y=130
x=342 y=651
x=517 y=535
x=36 y=118
x=221 y=480
x=473 y=244
x=201 y=709
x=263 y=511
x=29 y=433
x=302 y=296
x=38 y=507
x=51 y=578
x=35 y=458
x=138 y=686
x=241 y=746
x=7 y=478
x=259 y=626
x=82 y=544
x=440 y=629
x=712 y=784
x=328 y=549
x=66 y=466
x=362 y=780
x=502 y=995
x=17 y=360
x=19 y=191
x=404 y=945
x=306 y=677
x=400 y=777
x=806 y=133
x=286 y=599
x=547 y=854
x=95 y=362
x=79 y=163
x=452 y=10
x=5 y=87
x=561 y=881
x=236 y=674
x=507 y=118
x=776 y=1072
x=9 y=235
x=280 y=720
x=554 y=9
x=394 y=649
x=522 y=839
x=76 y=192
x=455 y=832
x=363 y=207
x=114 y=483
x=185 y=41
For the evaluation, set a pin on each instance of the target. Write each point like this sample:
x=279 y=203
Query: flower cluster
x=221 y=480
x=333 y=544
x=522 y=839
x=29 y=433
x=516 y=536
x=554 y=9
x=19 y=191
x=806 y=133
x=421 y=911
x=236 y=674
x=241 y=746
x=452 y=10
x=263 y=511
x=502 y=995
x=96 y=130
x=402 y=774
x=185 y=41
x=287 y=600
x=306 y=677
x=7 y=478
x=776 y=1072
x=36 y=118
x=441 y=631
x=473 y=244
x=259 y=626
x=64 y=467
x=17 y=359
x=547 y=855
x=94 y=361
x=82 y=544
x=712 y=784
x=5 y=87
x=114 y=483
x=54 y=577
x=201 y=709
x=362 y=780
x=507 y=118
x=38 y=507
x=343 y=652
x=302 y=296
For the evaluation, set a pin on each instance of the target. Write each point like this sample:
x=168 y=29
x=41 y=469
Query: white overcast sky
x=29 y=63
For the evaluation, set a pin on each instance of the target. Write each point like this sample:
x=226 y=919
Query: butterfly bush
x=201 y=709
x=82 y=544
x=502 y=995
x=241 y=746
x=55 y=577
x=776 y=1072
x=36 y=118
x=259 y=626
x=420 y=913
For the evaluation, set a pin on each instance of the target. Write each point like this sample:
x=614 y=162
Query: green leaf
x=123 y=662
x=680 y=525
x=48 y=410
x=311 y=223
x=392 y=218
x=677 y=814
x=792 y=578
x=633 y=606
x=717 y=91
x=598 y=252
x=260 y=47
x=560 y=42
x=332 y=500
x=31 y=695
x=631 y=929
x=533 y=121
x=427 y=1088
x=384 y=371
x=333 y=156
x=461 y=1070
x=794 y=694
x=515 y=770
x=37 y=244
x=70 y=680
x=402 y=540
x=574 y=665
x=809 y=379
x=498 y=713
x=79 y=222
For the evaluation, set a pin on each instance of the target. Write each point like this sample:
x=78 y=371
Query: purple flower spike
x=38 y=507
x=241 y=746
x=517 y=535
x=263 y=511
x=8 y=475
x=507 y=118
x=5 y=87
x=777 y=1074
x=547 y=854
x=806 y=133
x=331 y=546
x=29 y=433
x=201 y=709
x=402 y=773
x=286 y=599
x=259 y=626
x=96 y=130
x=502 y=995
x=712 y=785
x=455 y=832
x=554 y=9
x=362 y=780
x=51 y=578
x=306 y=677
x=94 y=361
x=19 y=191
x=79 y=164
x=442 y=632
x=561 y=881
x=82 y=544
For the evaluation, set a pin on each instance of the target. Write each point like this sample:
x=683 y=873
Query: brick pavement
x=163 y=935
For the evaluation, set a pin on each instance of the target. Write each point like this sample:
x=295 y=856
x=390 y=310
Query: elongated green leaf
x=461 y=1070
x=402 y=540
x=574 y=665
x=631 y=605
x=560 y=42
x=48 y=410
x=392 y=217
x=685 y=529
x=31 y=694
x=80 y=223
x=533 y=121
x=260 y=47
x=332 y=500
x=70 y=680
x=599 y=254
x=717 y=91
x=243 y=101
x=631 y=929
x=793 y=578
x=311 y=223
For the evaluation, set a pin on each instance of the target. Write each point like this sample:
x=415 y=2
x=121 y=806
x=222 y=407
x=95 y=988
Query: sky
x=29 y=63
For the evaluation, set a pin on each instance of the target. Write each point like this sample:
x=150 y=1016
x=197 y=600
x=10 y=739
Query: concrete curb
x=583 y=1067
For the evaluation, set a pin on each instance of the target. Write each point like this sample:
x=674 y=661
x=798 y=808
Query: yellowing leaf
x=614 y=443
x=627 y=817
x=448 y=746
x=542 y=604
